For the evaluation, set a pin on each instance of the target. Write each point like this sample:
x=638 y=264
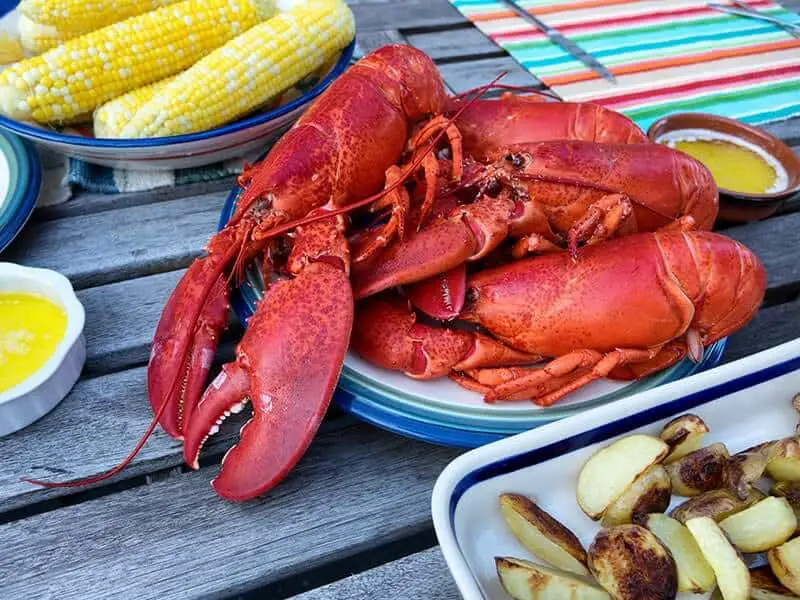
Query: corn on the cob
x=10 y=49
x=247 y=71
x=85 y=15
x=84 y=72
x=111 y=117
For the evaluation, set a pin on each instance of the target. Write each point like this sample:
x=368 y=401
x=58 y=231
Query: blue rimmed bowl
x=20 y=181
x=179 y=151
x=440 y=411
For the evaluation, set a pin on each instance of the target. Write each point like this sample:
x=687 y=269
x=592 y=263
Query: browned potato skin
x=700 y=471
x=678 y=429
x=717 y=504
x=654 y=490
x=744 y=468
x=632 y=564
x=784 y=460
x=763 y=579
x=552 y=529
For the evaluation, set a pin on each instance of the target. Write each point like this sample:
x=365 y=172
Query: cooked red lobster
x=441 y=181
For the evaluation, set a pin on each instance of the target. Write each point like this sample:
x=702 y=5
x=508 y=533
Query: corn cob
x=84 y=16
x=76 y=77
x=111 y=117
x=248 y=71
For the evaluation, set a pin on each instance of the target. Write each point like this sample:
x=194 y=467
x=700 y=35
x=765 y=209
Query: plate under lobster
x=538 y=247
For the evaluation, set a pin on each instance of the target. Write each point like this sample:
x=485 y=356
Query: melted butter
x=31 y=326
x=735 y=164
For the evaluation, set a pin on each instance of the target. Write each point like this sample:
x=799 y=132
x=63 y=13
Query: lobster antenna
x=370 y=199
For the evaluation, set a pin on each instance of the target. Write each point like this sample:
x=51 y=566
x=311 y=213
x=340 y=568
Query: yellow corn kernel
x=111 y=117
x=10 y=49
x=83 y=73
x=84 y=16
x=248 y=71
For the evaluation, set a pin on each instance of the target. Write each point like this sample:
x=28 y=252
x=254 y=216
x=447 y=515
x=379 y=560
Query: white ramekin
x=41 y=392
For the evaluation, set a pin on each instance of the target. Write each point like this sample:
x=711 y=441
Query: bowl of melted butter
x=42 y=347
x=754 y=171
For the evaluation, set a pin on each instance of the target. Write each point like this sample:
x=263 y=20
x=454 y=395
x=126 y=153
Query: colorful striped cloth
x=667 y=56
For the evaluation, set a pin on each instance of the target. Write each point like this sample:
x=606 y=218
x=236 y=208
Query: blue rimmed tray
x=20 y=181
x=440 y=411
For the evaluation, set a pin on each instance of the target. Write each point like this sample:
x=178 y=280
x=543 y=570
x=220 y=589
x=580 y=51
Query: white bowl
x=177 y=151
x=41 y=392
x=744 y=403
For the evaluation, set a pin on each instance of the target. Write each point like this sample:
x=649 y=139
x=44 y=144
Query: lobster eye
x=516 y=160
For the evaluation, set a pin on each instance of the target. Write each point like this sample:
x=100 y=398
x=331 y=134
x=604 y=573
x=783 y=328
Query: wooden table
x=353 y=519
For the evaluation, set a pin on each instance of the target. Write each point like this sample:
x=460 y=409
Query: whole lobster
x=625 y=308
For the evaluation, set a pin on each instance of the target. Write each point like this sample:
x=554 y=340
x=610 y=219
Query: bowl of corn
x=165 y=84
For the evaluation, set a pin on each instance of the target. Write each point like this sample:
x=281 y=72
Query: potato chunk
x=632 y=564
x=650 y=492
x=610 y=470
x=700 y=471
x=745 y=468
x=694 y=573
x=764 y=525
x=543 y=535
x=765 y=586
x=785 y=563
x=524 y=580
x=733 y=578
x=784 y=460
x=717 y=504
x=683 y=435
x=791 y=491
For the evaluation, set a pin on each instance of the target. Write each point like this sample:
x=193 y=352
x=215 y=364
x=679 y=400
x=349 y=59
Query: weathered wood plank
x=420 y=575
x=462 y=76
x=454 y=44
x=116 y=245
x=121 y=318
x=773 y=241
x=770 y=327
x=354 y=490
x=380 y=15
x=85 y=203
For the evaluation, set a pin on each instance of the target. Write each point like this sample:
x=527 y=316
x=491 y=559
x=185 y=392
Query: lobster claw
x=287 y=365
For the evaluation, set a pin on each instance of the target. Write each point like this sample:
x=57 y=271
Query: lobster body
x=488 y=127
x=624 y=308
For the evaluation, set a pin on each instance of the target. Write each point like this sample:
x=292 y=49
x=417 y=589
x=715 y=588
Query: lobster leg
x=386 y=333
x=596 y=365
x=601 y=221
x=298 y=321
x=483 y=380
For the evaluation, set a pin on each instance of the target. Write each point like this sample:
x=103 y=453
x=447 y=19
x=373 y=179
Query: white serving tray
x=744 y=403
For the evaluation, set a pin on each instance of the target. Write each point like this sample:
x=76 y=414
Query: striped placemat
x=667 y=55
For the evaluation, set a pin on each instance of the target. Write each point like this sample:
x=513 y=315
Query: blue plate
x=20 y=180
x=427 y=410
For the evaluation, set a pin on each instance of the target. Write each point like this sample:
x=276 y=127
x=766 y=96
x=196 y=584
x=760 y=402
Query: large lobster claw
x=287 y=366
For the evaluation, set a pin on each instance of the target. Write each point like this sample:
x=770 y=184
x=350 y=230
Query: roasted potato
x=650 y=492
x=524 y=580
x=694 y=573
x=632 y=564
x=733 y=578
x=700 y=471
x=784 y=460
x=791 y=491
x=717 y=504
x=764 y=525
x=745 y=468
x=785 y=563
x=683 y=435
x=543 y=535
x=765 y=586
x=610 y=470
